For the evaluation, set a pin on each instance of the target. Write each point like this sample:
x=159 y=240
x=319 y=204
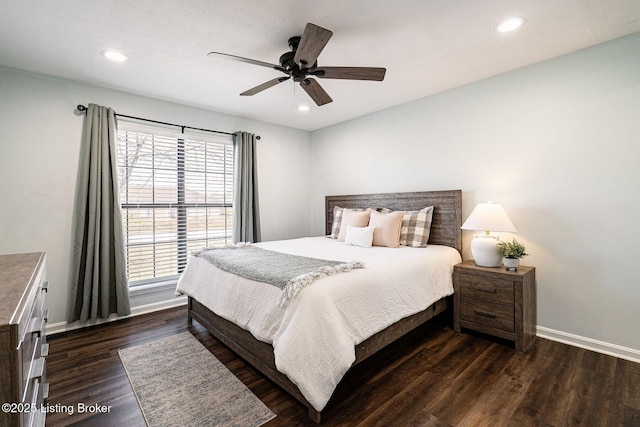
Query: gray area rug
x=178 y=382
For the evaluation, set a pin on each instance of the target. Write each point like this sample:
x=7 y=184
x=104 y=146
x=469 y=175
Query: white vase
x=483 y=249
x=511 y=264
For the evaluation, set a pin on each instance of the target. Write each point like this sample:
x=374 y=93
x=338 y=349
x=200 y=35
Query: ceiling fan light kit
x=301 y=64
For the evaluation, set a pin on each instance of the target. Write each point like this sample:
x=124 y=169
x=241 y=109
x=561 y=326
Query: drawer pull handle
x=44 y=350
x=487 y=290
x=45 y=286
x=37 y=370
x=36 y=325
x=45 y=391
x=45 y=315
x=485 y=314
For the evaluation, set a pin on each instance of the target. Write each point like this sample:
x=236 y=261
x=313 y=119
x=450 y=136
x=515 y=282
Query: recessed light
x=114 y=55
x=510 y=24
x=303 y=107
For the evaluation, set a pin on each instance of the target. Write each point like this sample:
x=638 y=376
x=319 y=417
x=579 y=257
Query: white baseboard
x=56 y=328
x=590 y=344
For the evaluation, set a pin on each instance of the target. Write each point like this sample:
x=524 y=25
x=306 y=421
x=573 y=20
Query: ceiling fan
x=301 y=64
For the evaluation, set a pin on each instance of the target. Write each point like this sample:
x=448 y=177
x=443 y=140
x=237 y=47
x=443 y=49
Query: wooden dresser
x=496 y=301
x=23 y=346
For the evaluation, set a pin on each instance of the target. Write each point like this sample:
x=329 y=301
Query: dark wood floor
x=432 y=377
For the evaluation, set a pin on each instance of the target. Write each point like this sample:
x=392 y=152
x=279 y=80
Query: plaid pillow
x=416 y=226
x=337 y=220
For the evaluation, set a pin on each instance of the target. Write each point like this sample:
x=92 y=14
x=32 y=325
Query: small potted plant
x=512 y=252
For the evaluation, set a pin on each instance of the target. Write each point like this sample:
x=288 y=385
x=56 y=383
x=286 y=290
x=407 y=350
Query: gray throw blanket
x=290 y=273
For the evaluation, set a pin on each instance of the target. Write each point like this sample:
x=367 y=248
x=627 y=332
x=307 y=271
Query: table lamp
x=487 y=217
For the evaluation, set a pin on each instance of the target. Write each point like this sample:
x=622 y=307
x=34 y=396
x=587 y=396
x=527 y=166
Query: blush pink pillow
x=354 y=219
x=386 y=228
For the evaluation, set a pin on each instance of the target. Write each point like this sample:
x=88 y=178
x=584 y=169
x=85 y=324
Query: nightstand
x=495 y=301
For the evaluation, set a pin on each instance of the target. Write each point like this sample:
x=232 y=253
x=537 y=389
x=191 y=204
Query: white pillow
x=359 y=236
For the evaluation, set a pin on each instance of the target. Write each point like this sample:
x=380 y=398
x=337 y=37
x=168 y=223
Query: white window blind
x=176 y=194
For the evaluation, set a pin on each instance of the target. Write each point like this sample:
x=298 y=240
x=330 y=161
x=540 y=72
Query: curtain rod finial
x=80 y=110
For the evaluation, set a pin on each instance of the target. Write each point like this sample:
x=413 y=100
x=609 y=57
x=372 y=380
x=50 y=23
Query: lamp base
x=484 y=251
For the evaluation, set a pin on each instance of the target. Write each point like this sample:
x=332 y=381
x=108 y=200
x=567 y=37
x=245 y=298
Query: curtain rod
x=83 y=109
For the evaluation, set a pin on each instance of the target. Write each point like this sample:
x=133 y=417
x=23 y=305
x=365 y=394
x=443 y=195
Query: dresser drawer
x=27 y=355
x=33 y=306
x=34 y=418
x=38 y=306
x=496 y=316
x=489 y=290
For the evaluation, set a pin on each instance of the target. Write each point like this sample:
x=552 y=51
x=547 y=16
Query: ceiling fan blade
x=315 y=91
x=264 y=86
x=313 y=40
x=245 y=60
x=351 y=73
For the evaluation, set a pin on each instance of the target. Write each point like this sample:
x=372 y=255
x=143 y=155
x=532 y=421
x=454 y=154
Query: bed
x=267 y=355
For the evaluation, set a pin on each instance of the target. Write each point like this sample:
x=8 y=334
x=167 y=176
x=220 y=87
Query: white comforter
x=314 y=335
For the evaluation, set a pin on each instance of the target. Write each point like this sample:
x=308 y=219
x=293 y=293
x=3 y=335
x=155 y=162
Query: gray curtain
x=99 y=281
x=246 y=213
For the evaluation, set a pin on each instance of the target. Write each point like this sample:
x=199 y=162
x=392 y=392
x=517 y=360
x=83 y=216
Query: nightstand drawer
x=491 y=290
x=492 y=315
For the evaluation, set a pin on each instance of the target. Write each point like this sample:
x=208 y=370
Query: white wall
x=557 y=143
x=39 y=153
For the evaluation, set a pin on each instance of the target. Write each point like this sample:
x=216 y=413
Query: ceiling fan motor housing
x=286 y=60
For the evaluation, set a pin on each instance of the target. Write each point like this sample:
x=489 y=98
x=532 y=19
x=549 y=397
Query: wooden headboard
x=447 y=212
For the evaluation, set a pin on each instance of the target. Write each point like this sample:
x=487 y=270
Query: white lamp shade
x=489 y=217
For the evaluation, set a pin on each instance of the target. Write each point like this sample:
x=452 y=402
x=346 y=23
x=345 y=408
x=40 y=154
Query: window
x=176 y=194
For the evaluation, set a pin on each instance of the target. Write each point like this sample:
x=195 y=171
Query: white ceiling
x=427 y=46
